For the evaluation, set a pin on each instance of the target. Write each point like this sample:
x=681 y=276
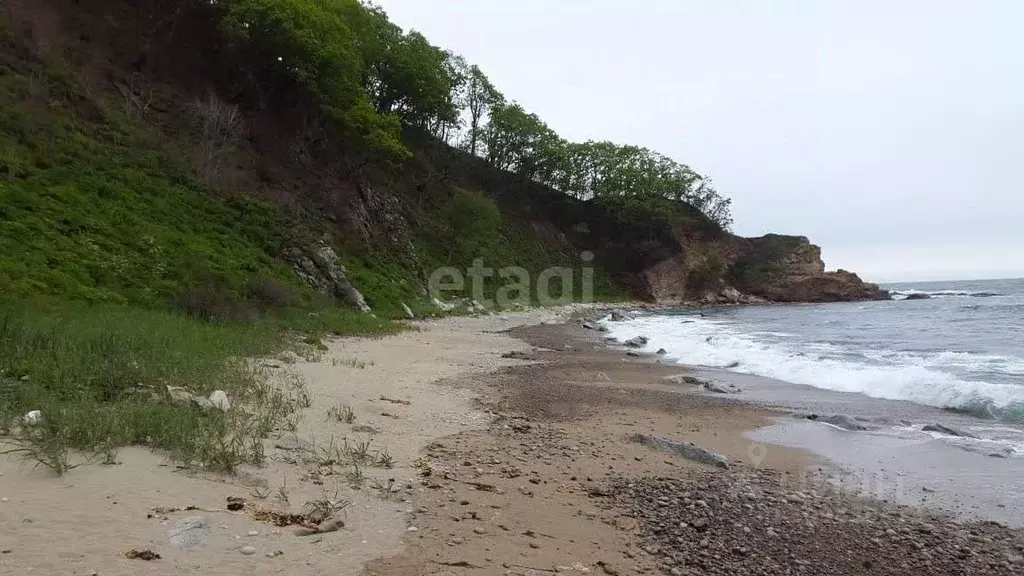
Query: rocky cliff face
x=732 y=269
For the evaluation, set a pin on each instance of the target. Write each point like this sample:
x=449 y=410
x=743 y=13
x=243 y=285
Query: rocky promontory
x=737 y=270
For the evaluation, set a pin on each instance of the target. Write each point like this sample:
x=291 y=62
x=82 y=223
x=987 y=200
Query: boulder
x=320 y=267
x=408 y=311
x=661 y=352
x=636 y=342
x=619 y=316
x=687 y=450
x=732 y=295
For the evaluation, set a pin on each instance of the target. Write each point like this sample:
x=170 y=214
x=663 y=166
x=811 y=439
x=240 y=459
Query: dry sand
x=82 y=522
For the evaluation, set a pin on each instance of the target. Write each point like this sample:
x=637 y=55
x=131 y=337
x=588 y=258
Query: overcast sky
x=890 y=133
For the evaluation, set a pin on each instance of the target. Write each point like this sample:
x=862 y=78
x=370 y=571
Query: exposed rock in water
x=321 y=269
x=840 y=421
x=661 y=352
x=637 y=342
x=918 y=297
x=686 y=450
x=618 y=316
x=947 y=431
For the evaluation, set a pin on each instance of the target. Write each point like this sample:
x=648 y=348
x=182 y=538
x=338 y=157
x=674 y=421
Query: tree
x=481 y=97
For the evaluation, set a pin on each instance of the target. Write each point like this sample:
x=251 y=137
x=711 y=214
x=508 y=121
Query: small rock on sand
x=684 y=450
x=947 y=431
x=840 y=421
x=248 y=550
x=293 y=443
x=190 y=532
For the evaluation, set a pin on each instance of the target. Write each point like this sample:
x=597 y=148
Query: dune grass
x=99 y=374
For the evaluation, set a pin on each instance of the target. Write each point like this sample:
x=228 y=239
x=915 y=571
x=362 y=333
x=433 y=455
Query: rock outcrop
x=790 y=269
x=735 y=270
x=321 y=269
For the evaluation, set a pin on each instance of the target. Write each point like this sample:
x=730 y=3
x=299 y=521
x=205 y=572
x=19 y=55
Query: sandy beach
x=514 y=448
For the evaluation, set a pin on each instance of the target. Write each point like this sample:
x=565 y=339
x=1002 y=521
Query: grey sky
x=890 y=133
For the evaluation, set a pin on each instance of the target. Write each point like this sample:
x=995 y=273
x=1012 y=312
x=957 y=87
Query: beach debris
x=181 y=396
x=324 y=528
x=947 y=431
x=32 y=418
x=687 y=450
x=189 y=532
x=839 y=421
x=146 y=555
x=396 y=401
x=636 y=342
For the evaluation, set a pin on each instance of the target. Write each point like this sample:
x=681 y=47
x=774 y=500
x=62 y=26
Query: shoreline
x=513 y=442
x=560 y=461
x=886 y=454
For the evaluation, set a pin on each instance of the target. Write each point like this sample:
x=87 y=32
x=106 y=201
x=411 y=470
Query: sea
x=954 y=350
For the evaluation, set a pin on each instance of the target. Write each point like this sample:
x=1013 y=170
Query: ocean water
x=962 y=349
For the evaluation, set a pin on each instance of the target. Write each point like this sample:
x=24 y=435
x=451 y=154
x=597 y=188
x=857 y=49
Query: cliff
x=732 y=269
x=130 y=196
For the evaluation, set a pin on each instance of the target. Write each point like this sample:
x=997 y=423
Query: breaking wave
x=941 y=379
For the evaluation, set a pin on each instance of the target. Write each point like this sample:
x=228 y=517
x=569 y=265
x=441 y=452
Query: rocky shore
x=755 y=522
x=559 y=483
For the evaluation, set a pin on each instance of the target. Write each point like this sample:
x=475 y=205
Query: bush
x=706 y=274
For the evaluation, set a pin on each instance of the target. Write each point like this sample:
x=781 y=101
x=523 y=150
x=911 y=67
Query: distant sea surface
x=962 y=348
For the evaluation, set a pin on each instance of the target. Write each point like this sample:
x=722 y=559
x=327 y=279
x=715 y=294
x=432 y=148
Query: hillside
x=172 y=197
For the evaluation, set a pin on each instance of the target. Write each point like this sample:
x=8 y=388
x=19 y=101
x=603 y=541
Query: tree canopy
x=372 y=77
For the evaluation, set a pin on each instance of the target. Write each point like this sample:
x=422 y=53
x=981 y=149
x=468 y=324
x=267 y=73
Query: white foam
x=888 y=375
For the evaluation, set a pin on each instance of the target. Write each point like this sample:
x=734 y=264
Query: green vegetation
x=123 y=275
x=372 y=77
x=125 y=271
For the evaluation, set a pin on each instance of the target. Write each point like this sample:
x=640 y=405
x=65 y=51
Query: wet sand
x=893 y=459
x=556 y=485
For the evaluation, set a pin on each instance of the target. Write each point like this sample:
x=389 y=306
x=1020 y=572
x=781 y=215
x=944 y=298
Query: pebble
x=248 y=550
x=412 y=529
x=253 y=533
